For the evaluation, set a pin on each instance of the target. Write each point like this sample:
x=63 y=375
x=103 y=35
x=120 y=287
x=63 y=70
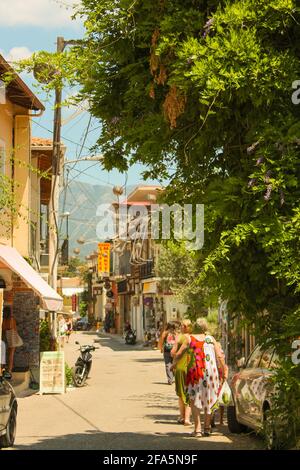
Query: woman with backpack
x=167 y=342
x=180 y=364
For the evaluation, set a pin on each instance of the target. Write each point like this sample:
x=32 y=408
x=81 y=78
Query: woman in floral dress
x=202 y=379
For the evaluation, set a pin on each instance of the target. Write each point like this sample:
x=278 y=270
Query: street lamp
x=92 y=158
x=82 y=241
x=65 y=244
x=66 y=215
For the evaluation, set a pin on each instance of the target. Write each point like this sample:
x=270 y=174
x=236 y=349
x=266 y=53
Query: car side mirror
x=6 y=375
x=241 y=363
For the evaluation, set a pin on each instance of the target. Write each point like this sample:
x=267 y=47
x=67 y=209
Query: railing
x=147 y=270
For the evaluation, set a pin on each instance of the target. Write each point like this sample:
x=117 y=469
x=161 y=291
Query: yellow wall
x=35 y=198
x=6 y=137
x=9 y=120
x=6 y=130
x=21 y=227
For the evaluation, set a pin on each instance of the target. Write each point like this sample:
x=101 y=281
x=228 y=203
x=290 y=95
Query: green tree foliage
x=178 y=270
x=45 y=336
x=202 y=90
x=205 y=87
x=74 y=268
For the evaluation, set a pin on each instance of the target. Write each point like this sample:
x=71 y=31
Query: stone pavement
x=126 y=404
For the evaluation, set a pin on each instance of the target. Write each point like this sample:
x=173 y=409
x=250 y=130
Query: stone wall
x=26 y=313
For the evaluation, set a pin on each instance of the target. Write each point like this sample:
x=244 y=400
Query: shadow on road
x=116 y=343
x=150 y=359
x=94 y=440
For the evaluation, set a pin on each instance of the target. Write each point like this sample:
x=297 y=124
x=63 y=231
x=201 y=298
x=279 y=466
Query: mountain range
x=81 y=200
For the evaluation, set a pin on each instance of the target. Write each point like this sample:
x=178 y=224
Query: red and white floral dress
x=202 y=375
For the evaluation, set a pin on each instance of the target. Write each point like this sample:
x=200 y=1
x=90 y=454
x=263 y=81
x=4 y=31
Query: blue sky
x=31 y=25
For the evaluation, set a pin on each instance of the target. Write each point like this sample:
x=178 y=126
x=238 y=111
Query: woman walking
x=221 y=357
x=202 y=379
x=180 y=364
x=167 y=342
x=9 y=328
x=69 y=329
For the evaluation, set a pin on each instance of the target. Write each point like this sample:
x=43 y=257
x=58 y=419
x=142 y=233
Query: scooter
x=83 y=365
x=130 y=337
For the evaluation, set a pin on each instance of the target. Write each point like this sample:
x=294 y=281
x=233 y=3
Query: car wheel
x=8 y=439
x=269 y=430
x=233 y=425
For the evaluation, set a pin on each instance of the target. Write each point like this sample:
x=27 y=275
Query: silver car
x=8 y=413
x=252 y=392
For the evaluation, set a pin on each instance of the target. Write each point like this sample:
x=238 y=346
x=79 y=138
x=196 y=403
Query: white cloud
x=45 y=13
x=18 y=53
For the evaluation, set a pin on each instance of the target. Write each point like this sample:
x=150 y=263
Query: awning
x=50 y=299
x=69 y=291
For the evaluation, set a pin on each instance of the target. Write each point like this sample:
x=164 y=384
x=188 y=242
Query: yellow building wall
x=35 y=196
x=21 y=228
x=6 y=139
x=15 y=124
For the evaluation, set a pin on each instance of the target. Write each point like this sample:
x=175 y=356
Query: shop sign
x=150 y=287
x=97 y=290
x=103 y=259
x=52 y=372
x=74 y=303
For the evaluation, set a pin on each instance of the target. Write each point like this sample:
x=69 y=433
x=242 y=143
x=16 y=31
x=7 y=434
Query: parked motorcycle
x=83 y=364
x=130 y=337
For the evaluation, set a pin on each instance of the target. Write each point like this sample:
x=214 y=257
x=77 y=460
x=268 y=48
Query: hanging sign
x=150 y=287
x=103 y=259
x=74 y=302
x=52 y=372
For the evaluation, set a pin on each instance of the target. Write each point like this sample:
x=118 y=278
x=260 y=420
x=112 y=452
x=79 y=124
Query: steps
x=20 y=382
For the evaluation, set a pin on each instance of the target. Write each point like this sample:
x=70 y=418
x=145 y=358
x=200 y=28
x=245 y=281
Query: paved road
x=126 y=405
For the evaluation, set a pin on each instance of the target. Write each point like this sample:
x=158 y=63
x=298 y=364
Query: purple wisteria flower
x=268 y=193
x=207 y=27
x=268 y=176
x=252 y=148
x=252 y=182
x=259 y=161
x=115 y=120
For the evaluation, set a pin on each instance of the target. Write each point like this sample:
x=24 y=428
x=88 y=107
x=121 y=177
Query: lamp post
x=65 y=245
x=56 y=169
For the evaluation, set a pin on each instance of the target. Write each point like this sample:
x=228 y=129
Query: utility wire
x=65 y=138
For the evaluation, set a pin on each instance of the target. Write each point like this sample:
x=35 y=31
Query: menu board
x=52 y=372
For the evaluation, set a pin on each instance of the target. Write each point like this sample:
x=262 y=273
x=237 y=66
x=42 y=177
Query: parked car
x=82 y=324
x=8 y=413
x=252 y=390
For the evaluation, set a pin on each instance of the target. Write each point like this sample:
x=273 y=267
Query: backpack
x=169 y=342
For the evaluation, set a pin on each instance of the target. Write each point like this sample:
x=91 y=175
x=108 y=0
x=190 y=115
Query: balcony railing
x=147 y=270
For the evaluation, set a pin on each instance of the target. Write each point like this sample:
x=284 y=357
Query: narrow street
x=126 y=405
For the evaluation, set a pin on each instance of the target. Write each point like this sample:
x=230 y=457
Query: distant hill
x=81 y=200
